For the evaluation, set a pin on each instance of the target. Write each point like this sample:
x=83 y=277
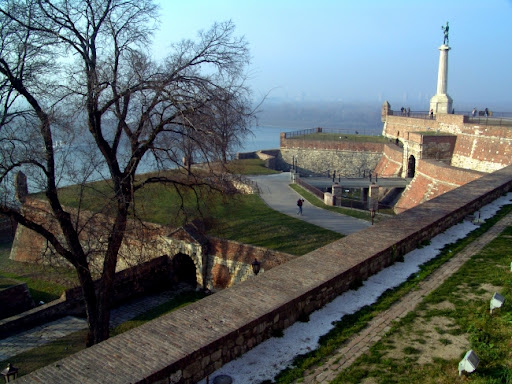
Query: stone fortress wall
x=198 y=339
x=315 y=157
x=437 y=154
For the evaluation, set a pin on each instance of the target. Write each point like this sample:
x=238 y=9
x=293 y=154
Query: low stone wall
x=144 y=278
x=194 y=341
x=269 y=156
x=142 y=242
x=15 y=299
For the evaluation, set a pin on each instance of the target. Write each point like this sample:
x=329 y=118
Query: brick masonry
x=187 y=344
x=432 y=179
x=154 y=241
x=390 y=164
x=483 y=148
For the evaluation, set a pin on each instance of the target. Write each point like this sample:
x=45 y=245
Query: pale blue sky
x=366 y=50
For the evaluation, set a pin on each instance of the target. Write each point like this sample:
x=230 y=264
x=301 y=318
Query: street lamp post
x=10 y=373
x=256 y=265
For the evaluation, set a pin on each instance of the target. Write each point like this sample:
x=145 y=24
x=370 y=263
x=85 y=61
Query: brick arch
x=184 y=269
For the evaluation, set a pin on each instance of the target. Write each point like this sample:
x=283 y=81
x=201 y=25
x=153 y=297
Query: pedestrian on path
x=299 y=204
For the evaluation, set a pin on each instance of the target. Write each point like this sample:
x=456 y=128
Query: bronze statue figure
x=445 y=30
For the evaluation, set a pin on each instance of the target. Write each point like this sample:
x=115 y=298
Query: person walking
x=299 y=204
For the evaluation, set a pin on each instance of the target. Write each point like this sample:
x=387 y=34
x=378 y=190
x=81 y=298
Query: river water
x=72 y=166
x=263 y=137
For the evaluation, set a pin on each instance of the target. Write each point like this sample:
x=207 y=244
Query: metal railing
x=314 y=190
x=493 y=118
x=415 y=114
x=338 y=131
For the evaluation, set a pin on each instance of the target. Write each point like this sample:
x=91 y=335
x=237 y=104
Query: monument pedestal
x=441 y=102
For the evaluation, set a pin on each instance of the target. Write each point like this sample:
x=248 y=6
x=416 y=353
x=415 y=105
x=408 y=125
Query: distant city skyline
x=365 y=51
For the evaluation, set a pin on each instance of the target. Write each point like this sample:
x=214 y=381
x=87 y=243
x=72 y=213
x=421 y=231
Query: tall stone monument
x=441 y=102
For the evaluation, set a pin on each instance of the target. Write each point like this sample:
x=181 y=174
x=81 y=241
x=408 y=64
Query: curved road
x=276 y=192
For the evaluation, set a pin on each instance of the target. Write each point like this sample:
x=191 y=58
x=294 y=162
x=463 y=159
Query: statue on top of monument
x=445 y=30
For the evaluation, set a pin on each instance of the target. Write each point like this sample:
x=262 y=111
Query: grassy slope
x=399 y=371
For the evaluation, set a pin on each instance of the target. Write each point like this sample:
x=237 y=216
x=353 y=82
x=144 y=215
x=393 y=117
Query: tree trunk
x=90 y=301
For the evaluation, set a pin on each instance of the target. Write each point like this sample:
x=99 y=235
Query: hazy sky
x=364 y=50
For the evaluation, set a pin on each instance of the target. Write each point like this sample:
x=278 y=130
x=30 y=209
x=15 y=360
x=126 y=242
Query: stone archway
x=411 y=167
x=183 y=270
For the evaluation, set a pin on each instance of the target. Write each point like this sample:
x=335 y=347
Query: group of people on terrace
x=485 y=112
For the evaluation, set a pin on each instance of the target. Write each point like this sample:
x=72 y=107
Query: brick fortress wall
x=390 y=164
x=483 y=148
x=432 y=179
x=144 y=266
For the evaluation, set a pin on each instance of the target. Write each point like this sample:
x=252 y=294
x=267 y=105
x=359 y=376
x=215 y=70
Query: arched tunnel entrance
x=411 y=167
x=183 y=270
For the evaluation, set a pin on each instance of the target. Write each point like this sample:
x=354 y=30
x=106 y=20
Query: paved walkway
x=360 y=343
x=276 y=192
x=38 y=336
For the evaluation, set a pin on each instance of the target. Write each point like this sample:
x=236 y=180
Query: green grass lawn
x=45 y=283
x=243 y=218
x=463 y=304
x=490 y=335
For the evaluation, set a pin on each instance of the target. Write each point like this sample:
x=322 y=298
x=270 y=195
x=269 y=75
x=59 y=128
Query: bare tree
x=230 y=118
x=77 y=71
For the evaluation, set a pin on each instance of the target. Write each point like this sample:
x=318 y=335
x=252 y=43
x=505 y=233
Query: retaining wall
x=390 y=164
x=432 y=179
x=187 y=344
x=142 y=279
x=316 y=157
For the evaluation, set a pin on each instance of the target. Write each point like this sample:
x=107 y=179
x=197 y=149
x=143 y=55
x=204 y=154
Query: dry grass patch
x=432 y=339
x=482 y=293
